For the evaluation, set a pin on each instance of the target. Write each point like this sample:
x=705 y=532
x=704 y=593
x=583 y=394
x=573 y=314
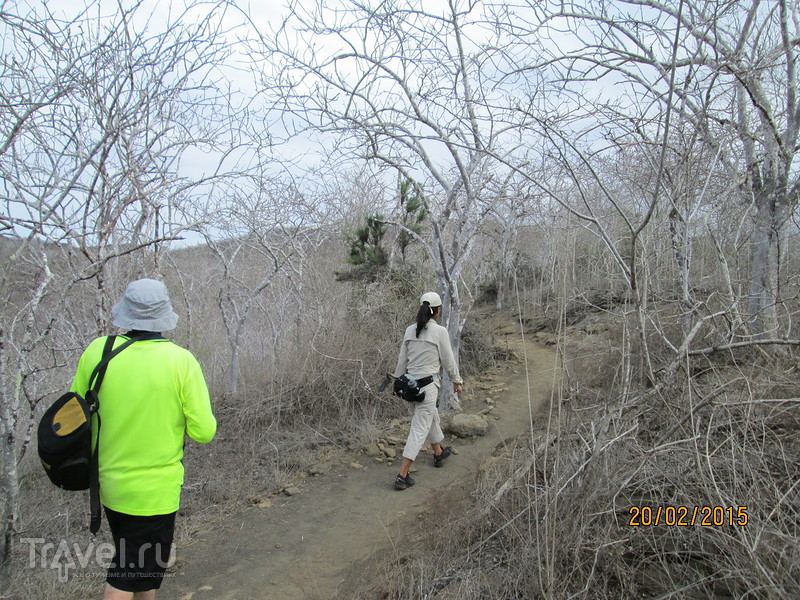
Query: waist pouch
x=410 y=389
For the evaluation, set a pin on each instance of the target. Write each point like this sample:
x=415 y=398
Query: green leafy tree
x=413 y=214
x=365 y=243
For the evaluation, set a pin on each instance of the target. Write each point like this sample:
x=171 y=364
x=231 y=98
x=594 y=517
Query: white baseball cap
x=432 y=298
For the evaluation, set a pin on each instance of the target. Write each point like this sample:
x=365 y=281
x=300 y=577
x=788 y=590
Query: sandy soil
x=325 y=539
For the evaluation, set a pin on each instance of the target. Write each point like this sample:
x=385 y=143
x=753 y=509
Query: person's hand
x=457 y=388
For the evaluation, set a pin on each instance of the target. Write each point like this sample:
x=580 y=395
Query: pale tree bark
x=509 y=212
x=505 y=260
x=142 y=113
x=256 y=234
x=410 y=89
x=580 y=180
x=686 y=187
x=12 y=423
x=735 y=76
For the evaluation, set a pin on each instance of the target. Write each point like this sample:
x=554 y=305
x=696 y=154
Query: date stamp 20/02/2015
x=687 y=516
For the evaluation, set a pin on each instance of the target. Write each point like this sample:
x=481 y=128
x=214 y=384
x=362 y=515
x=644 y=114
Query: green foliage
x=365 y=243
x=413 y=215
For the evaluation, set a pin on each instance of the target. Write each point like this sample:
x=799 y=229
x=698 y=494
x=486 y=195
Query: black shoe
x=438 y=460
x=401 y=483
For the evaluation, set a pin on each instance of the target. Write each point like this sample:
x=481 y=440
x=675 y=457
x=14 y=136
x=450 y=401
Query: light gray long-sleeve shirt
x=427 y=354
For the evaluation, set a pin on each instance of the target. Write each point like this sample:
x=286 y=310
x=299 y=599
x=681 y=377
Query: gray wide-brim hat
x=145 y=307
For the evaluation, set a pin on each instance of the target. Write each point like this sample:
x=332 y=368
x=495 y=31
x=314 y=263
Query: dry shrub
x=596 y=350
x=479 y=351
x=570 y=513
x=331 y=383
x=60 y=519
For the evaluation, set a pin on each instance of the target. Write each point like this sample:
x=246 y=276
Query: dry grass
x=320 y=400
x=552 y=518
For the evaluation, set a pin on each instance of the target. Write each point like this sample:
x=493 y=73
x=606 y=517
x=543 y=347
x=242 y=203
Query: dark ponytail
x=424 y=315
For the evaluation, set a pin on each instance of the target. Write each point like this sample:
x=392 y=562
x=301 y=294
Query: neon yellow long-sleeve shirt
x=153 y=393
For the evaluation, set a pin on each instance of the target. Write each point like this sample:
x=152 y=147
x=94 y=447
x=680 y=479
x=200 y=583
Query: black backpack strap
x=96 y=378
x=96 y=516
x=95 y=381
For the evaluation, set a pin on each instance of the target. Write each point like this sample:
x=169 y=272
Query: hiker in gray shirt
x=425 y=349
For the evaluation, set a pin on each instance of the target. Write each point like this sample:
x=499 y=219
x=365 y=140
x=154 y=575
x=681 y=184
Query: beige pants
x=425 y=426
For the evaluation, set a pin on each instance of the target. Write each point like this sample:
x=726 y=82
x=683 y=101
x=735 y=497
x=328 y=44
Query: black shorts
x=143 y=547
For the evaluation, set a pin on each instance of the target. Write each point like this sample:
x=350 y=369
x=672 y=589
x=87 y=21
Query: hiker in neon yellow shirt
x=152 y=395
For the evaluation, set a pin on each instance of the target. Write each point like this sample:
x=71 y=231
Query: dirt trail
x=310 y=545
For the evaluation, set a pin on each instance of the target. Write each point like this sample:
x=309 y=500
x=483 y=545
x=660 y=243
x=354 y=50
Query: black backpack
x=65 y=436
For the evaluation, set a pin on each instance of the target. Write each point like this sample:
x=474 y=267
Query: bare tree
x=256 y=234
x=96 y=120
x=509 y=213
x=410 y=89
x=730 y=67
